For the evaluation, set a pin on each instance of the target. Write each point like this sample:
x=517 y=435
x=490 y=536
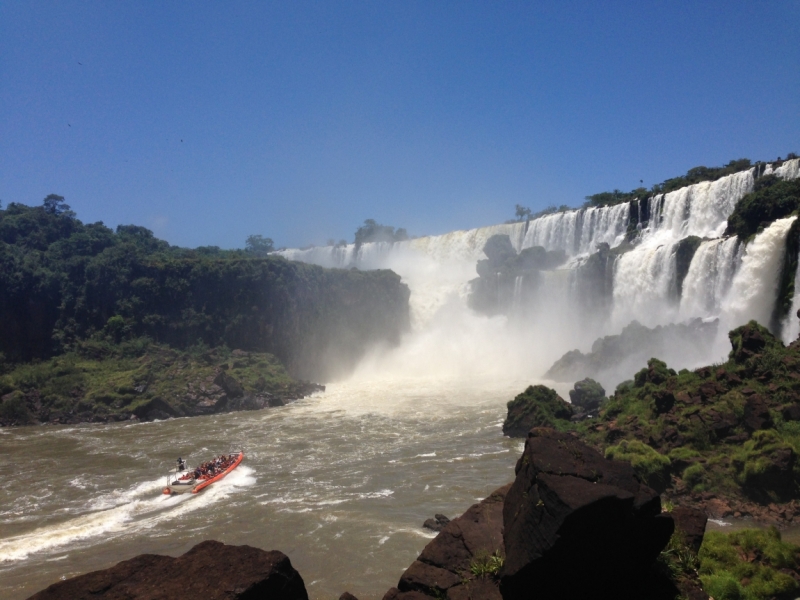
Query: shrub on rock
x=587 y=395
x=537 y=406
x=656 y=372
x=765 y=466
x=649 y=464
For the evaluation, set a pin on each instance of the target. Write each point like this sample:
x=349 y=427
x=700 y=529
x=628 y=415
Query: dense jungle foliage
x=62 y=280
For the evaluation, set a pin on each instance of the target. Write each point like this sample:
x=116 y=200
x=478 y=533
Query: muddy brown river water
x=341 y=482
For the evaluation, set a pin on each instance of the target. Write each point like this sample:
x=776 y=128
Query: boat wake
x=120 y=512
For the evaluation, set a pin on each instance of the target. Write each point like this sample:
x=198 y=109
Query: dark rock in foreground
x=458 y=562
x=577 y=525
x=691 y=522
x=209 y=571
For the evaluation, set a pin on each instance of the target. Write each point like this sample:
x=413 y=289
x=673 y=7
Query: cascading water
x=709 y=277
x=518 y=291
x=701 y=209
x=755 y=285
x=790 y=327
x=644 y=285
x=579 y=231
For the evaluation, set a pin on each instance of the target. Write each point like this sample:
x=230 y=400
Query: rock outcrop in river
x=572 y=525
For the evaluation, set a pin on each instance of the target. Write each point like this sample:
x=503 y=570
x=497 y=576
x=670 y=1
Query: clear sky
x=207 y=122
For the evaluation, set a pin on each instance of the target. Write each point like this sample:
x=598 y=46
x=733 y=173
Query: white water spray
x=548 y=317
x=755 y=286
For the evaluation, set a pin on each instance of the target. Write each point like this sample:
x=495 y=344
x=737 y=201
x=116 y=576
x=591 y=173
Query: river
x=341 y=482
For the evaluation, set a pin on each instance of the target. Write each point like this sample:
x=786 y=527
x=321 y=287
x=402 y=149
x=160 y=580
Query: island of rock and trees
x=611 y=494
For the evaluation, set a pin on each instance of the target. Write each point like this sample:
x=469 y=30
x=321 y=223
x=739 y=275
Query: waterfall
x=790 y=169
x=645 y=285
x=556 y=311
x=517 y=302
x=701 y=209
x=709 y=277
x=790 y=327
x=755 y=286
x=579 y=231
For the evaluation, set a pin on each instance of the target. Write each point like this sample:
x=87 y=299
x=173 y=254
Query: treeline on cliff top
x=61 y=281
x=692 y=176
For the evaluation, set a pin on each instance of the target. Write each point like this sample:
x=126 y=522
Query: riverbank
x=138 y=380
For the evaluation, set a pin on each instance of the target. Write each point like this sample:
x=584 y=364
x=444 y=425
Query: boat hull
x=197 y=485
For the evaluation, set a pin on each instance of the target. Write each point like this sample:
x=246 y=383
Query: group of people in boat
x=208 y=470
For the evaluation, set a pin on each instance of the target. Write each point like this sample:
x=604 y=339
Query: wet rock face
x=458 y=561
x=211 y=571
x=577 y=525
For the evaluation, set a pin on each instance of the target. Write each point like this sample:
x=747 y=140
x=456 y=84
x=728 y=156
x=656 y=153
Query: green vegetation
x=679 y=558
x=537 y=406
x=62 y=281
x=258 y=245
x=694 y=175
x=732 y=430
x=648 y=463
x=106 y=381
x=772 y=199
x=587 y=395
x=748 y=565
x=487 y=565
x=372 y=231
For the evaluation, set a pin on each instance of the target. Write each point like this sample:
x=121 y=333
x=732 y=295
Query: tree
x=258 y=245
x=522 y=213
x=55 y=205
x=372 y=231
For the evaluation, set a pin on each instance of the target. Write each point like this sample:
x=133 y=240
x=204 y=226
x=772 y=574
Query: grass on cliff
x=750 y=564
x=106 y=378
x=731 y=429
x=697 y=426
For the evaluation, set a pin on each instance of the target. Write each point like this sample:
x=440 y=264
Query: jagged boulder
x=437 y=523
x=460 y=562
x=537 y=406
x=211 y=570
x=656 y=373
x=587 y=395
x=499 y=250
x=228 y=383
x=577 y=525
x=749 y=340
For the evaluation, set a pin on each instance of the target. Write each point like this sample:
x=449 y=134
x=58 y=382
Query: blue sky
x=207 y=122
